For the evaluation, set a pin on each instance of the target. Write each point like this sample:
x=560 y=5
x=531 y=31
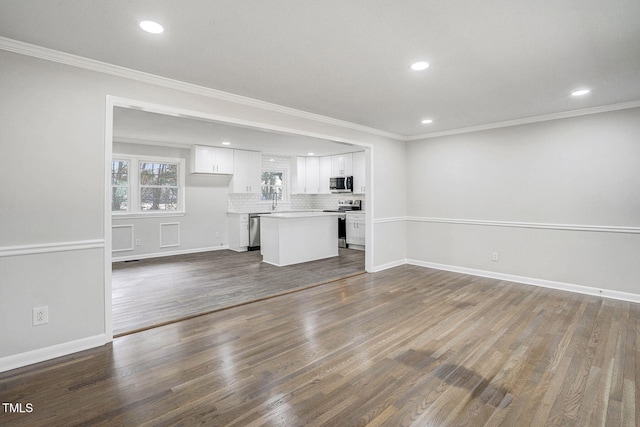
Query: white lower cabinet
x=238 y=226
x=356 y=227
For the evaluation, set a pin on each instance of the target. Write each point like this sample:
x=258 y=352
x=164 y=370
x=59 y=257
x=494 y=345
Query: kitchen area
x=313 y=208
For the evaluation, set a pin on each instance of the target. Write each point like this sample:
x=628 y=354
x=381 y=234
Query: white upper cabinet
x=211 y=160
x=359 y=179
x=312 y=175
x=342 y=165
x=306 y=175
x=246 y=172
x=325 y=174
x=298 y=173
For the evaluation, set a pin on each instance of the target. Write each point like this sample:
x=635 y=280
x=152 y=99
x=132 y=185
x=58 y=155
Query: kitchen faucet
x=274 y=203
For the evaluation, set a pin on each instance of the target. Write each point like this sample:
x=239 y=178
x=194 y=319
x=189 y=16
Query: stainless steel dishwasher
x=254 y=231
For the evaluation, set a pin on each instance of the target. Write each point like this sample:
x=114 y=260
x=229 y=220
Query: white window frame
x=128 y=186
x=134 y=186
x=284 y=184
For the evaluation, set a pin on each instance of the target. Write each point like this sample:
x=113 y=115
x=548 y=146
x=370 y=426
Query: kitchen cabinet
x=325 y=174
x=359 y=183
x=246 y=172
x=356 y=227
x=312 y=175
x=238 y=226
x=212 y=160
x=307 y=175
x=342 y=165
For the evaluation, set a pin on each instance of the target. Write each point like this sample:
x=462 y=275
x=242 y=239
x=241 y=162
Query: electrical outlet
x=40 y=316
x=138 y=242
x=217 y=234
x=495 y=257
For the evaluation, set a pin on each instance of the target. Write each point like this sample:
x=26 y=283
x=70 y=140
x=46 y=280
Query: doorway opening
x=174 y=227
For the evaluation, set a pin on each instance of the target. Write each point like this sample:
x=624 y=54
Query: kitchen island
x=294 y=237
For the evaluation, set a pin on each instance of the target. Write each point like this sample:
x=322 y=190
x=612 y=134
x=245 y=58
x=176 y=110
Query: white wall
x=390 y=199
x=555 y=177
x=52 y=230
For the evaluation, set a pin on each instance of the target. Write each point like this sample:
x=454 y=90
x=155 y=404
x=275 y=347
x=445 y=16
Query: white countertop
x=269 y=211
x=290 y=215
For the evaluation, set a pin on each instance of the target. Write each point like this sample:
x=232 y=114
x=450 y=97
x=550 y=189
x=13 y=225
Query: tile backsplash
x=252 y=202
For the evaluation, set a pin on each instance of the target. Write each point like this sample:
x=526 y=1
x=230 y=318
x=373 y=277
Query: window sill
x=138 y=215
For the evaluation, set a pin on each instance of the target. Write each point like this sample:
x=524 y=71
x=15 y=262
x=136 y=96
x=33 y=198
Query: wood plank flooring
x=408 y=346
x=162 y=290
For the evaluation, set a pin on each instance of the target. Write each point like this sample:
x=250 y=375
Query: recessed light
x=419 y=66
x=151 y=27
x=426 y=121
x=272 y=160
x=310 y=154
x=226 y=143
x=580 y=92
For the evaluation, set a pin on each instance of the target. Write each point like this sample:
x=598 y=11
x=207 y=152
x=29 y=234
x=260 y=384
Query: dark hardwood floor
x=162 y=290
x=408 y=346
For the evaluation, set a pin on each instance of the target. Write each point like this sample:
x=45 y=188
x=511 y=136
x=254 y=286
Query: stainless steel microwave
x=341 y=184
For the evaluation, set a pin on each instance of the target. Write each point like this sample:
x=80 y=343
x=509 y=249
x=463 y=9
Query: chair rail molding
x=45 y=248
x=539 y=225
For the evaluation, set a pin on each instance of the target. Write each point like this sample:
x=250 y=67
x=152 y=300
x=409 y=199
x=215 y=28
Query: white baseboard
x=47 y=353
x=569 y=287
x=168 y=253
x=389 y=265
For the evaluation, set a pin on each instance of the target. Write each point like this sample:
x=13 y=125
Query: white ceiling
x=491 y=61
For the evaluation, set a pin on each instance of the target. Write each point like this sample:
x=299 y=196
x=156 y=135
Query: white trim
x=392 y=264
x=368 y=213
x=115 y=70
x=390 y=219
x=146 y=214
x=538 y=225
x=515 y=224
x=569 y=287
x=173 y=245
x=132 y=237
x=47 y=248
x=39 y=355
x=107 y=220
x=168 y=253
x=527 y=120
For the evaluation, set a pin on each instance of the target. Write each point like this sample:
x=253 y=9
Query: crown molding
x=527 y=120
x=47 y=54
